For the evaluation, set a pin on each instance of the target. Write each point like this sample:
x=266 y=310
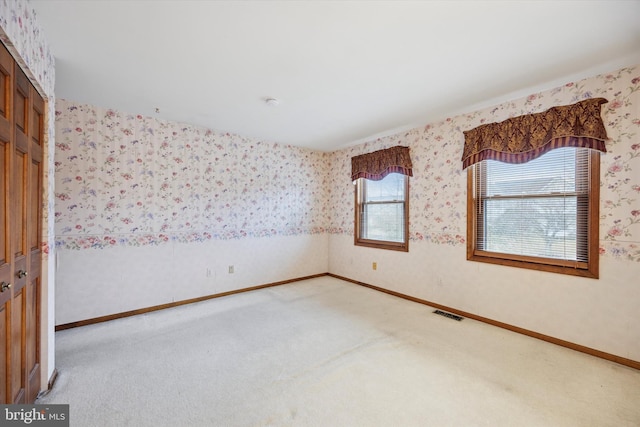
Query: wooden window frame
x=589 y=269
x=380 y=244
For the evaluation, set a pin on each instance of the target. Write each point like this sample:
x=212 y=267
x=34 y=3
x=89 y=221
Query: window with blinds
x=382 y=212
x=537 y=214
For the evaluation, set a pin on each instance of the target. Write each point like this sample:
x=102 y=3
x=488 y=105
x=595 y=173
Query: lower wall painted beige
x=598 y=314
x=94 y=283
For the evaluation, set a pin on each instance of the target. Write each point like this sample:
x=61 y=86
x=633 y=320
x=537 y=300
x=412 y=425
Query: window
x=382 y=212
x=541 y=215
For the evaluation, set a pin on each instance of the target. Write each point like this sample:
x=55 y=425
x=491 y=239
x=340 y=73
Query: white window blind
x=535 y=209
x=382 y=205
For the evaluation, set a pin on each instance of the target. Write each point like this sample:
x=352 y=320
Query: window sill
x=379 y=244
x=538 y=264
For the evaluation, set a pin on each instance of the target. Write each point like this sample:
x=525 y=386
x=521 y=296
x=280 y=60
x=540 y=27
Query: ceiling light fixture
x=272 y=102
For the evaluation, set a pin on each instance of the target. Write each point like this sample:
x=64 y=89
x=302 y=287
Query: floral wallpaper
x=438 y=187
x=134 y=180
x=23 y=36
x=22 y=33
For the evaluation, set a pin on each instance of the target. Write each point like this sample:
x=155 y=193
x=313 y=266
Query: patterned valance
x=523 y=138
x=377 y=165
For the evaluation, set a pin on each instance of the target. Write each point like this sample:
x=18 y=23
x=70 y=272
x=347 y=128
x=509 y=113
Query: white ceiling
x=344 y=71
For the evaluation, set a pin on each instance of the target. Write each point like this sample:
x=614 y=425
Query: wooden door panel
x=20 y=109
x=19 y=212
x=5 y=252
x=21 y=194
x=6 y=88
x=4 y=203
x=20 y=186
x=5 y=285
x=34 y=237
x=34 y=227
x=17 y=362
x=21 y=102
x=6 y=71
x=4 y=339
x=33 y=339
x=34 y=211
x=21 y=142
x=6 y=267
x=37 y=119
x=18 y=189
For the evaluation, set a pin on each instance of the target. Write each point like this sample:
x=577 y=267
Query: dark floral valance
x=377 y=165
x=523 y=138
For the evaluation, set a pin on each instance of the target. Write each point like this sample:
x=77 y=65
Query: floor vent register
x=449 y=315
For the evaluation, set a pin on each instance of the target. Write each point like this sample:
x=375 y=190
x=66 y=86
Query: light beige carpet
x=325 y=352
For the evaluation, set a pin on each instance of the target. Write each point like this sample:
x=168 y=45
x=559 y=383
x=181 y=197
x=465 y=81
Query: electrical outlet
x=231 y=269
x=375 y=266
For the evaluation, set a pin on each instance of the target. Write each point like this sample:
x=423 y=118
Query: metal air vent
x=449 y=315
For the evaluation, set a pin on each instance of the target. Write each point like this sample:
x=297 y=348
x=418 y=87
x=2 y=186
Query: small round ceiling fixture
x=272 y=102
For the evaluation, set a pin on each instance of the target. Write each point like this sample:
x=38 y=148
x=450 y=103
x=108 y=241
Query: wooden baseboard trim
x=52 y=380
x=177 y=303
x=577 y=347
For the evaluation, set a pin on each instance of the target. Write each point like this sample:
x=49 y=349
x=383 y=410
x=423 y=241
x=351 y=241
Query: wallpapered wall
x=594 y=313
x=23 y=36
x=21 y=31
x=151 y=211
x=438 y=188
x=133 y=180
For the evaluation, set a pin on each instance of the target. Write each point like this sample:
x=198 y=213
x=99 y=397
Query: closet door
x=34 y=237
x=19 y=196
x=21 y=150
x=26 y=197
x=6 y=268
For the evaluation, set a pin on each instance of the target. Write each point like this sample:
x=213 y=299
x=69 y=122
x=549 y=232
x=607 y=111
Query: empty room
x=320 y=213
